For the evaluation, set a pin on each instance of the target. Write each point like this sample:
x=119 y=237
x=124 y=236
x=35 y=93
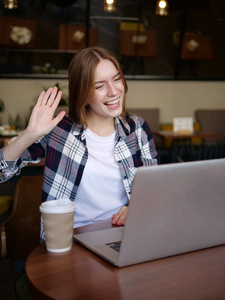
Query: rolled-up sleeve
x=7 y=168
x=10 y=168
x=3 y=163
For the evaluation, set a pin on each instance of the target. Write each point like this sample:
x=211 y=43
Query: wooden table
x=80 y=274
x=182 y=147
x=173 y=135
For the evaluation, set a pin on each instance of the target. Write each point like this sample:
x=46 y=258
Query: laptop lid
x=174 y=208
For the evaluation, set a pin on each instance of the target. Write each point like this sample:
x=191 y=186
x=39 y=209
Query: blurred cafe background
x=172 y=54
x=173 y=57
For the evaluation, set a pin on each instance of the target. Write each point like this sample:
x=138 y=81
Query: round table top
x=80 y=274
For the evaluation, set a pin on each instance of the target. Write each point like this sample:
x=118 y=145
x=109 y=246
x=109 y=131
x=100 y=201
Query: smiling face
x=107 y=99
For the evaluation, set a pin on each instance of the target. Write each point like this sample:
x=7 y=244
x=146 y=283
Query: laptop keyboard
x=114 y=245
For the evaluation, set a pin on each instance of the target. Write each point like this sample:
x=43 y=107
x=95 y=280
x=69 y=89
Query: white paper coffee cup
x=58 y=218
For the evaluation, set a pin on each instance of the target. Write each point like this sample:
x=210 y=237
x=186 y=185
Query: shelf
x=38 y=51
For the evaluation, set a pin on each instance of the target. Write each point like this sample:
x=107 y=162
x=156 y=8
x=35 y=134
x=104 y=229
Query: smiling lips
x=113 y=103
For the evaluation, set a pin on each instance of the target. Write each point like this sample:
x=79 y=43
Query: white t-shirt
x=101 y=192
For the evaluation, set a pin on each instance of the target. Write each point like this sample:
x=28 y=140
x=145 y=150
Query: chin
x=117 y=113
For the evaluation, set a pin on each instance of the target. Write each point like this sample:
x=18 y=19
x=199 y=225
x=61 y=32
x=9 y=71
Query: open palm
x=41 y=120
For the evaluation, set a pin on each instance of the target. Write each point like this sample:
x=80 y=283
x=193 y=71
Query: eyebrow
x=101 y=81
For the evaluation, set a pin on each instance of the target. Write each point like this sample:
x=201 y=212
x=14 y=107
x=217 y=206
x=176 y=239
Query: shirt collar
x=122 y=129
x=78 y=131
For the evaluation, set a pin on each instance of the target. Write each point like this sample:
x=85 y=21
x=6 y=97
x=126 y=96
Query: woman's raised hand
x=42 y=119
x=41 y=122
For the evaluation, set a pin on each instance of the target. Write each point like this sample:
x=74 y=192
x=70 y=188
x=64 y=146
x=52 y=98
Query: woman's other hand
x=119 y=218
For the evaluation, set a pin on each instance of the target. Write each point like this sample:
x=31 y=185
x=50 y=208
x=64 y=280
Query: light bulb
x=162 y=8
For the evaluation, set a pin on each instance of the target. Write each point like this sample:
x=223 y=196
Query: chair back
x=151 y=116
x=7 y=189
x=212 y=121
x=6 y=200
x=23 y=226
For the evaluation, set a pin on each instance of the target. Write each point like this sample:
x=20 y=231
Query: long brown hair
x=81 y=81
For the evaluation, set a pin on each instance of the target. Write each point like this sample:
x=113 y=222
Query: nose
x=112 y=91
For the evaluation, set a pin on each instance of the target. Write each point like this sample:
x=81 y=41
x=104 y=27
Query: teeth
x=112 y=102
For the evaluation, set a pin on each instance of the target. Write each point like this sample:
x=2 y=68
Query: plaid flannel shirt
x=66 y=154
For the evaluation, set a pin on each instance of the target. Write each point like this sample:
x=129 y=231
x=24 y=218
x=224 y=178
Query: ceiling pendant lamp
x=162 y=8
x=10 y=4
x=109 y=5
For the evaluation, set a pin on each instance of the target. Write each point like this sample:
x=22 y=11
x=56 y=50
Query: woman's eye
x=98 y=87
x=117 y=78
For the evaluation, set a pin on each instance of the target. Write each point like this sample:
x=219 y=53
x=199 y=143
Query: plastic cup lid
x=62 y=205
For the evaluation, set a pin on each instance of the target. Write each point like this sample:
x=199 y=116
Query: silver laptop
x=174 y=208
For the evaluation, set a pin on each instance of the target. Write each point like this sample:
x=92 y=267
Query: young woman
x=92 y=154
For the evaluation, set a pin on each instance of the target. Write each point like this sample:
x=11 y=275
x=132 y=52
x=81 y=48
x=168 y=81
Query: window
x=188 y=43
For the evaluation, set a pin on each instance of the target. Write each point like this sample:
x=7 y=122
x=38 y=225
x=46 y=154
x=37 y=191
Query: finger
x=59 y=117
x=120 y=217
x=56 y=100
x=40 y=98
x=46 y=96
x=53 y=96
x=123 y=216
x=121 y=220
